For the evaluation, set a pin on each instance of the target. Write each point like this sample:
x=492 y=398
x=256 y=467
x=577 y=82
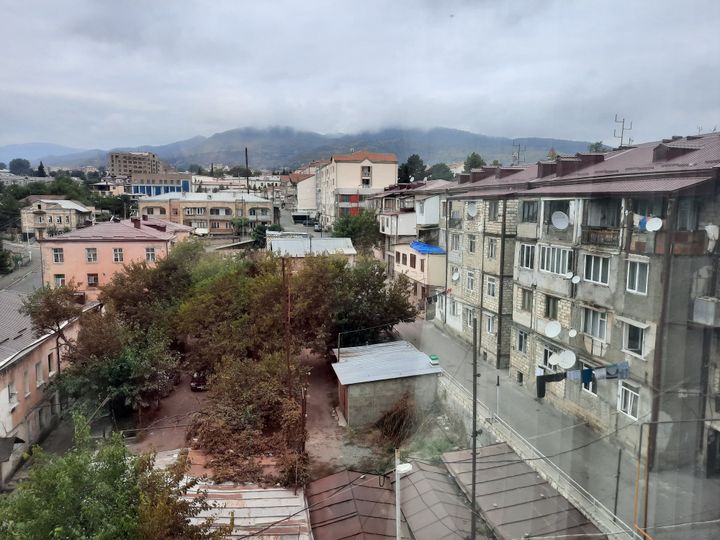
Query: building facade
x=159 y=183
x=131 y=163
x=49 y=217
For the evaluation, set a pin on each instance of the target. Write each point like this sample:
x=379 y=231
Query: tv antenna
x=518 y=154
x=623 y=129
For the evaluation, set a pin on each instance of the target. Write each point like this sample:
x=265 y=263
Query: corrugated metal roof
x=199 y=197
x=303 y=247
x=433 y=505
x=513 y=499
x=67 y=205
x=380 y=362
x=15 y=328
x=619 y=186
x=354 y=505
x=113 y=230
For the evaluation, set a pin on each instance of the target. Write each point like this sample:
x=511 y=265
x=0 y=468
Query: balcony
x=601 y=236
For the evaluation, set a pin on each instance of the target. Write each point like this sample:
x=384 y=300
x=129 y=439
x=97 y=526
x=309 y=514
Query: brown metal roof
x=513 y=499
x=113 y=231
x=363 y=155
x=619 y=186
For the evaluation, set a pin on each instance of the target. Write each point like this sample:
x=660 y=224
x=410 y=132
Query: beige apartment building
x=49 y=217
x=345 y=183
x=211 y=213
x=130 y=163
x=424 y=265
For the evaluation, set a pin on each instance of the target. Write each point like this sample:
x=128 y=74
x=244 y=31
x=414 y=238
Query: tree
x=41 y=170
x=496 y=163
x=473 y=161
x=552 y=153
x=196 y=169
x=413 y=168
x=49 y=308
x=20 y=166
x=240 y=225
x=597 y=147
x=7 y=263
x=3 y=166
x=363 y=229
x=440 y=171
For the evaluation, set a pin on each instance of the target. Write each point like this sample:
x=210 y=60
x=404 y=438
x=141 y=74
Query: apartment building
x=89 y=257
x=27 y=365
x=158 y=183
x=424 y=266
x=49 y=217
x=306 y=195
x=345 y=183
x=131 y=163
x=211 y=213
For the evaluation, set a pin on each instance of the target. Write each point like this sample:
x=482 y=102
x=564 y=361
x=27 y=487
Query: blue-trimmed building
x=161 y=183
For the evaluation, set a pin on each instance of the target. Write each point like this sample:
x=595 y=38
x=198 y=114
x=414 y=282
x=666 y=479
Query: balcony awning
x=426 y=249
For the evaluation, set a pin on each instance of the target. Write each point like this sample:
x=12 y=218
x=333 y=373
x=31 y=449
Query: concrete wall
x=368 y=401
x=427 y=211
x=306 y=194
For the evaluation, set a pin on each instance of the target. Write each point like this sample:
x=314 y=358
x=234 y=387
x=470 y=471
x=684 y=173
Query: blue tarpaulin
x=426 y=249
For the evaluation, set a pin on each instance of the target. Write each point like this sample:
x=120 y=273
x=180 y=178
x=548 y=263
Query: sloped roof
x=363 y=155
x=220 y=196
x=65 y=204
x=426 y=249
x=113 y=231
x=304 y=247
x=380 y=362
x=15 y=328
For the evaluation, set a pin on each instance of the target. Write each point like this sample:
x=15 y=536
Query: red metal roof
x=619 y=186
x=113 y=231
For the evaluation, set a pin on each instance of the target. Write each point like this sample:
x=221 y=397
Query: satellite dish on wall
x=572 y=332
x=554 y=359
x=568 y=275
x=654 y=224
x=552 y=329
x=560 y=220
x=456 y=276
x=567 y=359
x=472 y=209
x=575 y=279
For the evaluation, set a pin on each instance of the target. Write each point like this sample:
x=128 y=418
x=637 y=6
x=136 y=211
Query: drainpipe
x=447 y=252
x=502 y=287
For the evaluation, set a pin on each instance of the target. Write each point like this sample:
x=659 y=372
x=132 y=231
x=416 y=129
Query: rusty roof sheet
x=363 y=155
x=619 y=186
x=513 y=499
x=354 y=505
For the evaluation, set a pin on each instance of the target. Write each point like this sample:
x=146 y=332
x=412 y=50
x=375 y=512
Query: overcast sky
x=98 y=74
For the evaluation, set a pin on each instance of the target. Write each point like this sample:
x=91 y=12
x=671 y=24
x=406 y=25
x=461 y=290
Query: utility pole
x=623 y=129
x=473 y=525
x=247 y=172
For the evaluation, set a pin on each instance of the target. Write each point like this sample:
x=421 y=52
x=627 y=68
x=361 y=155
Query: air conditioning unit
x=706 y=311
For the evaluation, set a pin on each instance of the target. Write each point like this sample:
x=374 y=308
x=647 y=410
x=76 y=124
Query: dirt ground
x=328 y=445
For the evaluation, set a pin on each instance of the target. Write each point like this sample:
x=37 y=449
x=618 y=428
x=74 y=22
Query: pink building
x=90 y=256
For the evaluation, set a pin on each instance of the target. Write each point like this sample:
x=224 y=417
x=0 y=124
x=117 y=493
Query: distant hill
x=33 y=151
x=286 y=147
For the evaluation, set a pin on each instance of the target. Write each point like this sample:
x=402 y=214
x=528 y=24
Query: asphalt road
x=26 y=278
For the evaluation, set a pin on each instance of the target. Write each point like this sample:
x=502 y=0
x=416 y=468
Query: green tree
x=3 y=166
x=7 y=263
x=440 y=171
x=363 y=229
x=41 y=170
x=20 y=166
x=413 y=168
x=240 y=225
x=259 y=234
x=496 y=163
x=196 y=169
x=49 y=308
x=597 y=146
x=552 y=153
x=473 y=161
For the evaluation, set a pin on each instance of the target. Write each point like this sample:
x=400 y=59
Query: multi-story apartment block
x=348 y=180
x=211 y=213
x=424 y=265
x=159 y=183
x=48 y=217
x=90 y=256
x=131 y=163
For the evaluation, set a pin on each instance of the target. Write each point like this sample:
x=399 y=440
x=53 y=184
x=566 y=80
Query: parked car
x=317 y=227
x=198 y=381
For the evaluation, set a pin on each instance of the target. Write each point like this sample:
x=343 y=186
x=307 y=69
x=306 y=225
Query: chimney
x=464 y=178
x=587 y=159
x=144 y=217
x=546 y=168
x=567 y=165
x=135 y=221
x=477 y=175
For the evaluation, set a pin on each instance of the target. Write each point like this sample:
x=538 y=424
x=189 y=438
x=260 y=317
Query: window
x=67 y=219
x=12 y=394
x=471 y=243
x=547 y=353
x=468 y=316
x=687 y=214
x=50 y=359
x=453 y=308
x=527 y=256
x=214 y=224
x=492 y=248
x=397 y=257
x=522 y=342
x=551 y=307
x=555 y=259
x=91 y=255
x=526 y=299
x=597 y=269
x=556 y=206
x=637 y=277
x=443 y=209
x=529 y=212
x=404 y=259
x=150 y=254
x=422 y=265
x=628 y=398
x=39 y=380
x=118 y=255
x=471 y=281
x=58 y=255
x=493 y=210
x=59 y=280
x=58 y=219
x=595 y=323
x=413 y=260
x=591 y=386
x=634 y=339
x=491 y=286
x=454 y=242
x=92 y=280
x=26 y=383
x=490 y=324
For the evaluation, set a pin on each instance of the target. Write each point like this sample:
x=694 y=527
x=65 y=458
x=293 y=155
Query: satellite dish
x=472 y=209
x=554 y=359
x=552 y=329
x=575 y=279
x=456 y=276
x=654 y=224
x=568 y=275
x=572 y=332
x=560 y=220
x=567 y=359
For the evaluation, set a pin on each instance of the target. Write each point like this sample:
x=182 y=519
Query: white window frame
x=601 y=323
x=453 y=307
x=591 y=387
x=59 y=280
x=12 y=394
x=470 y=281
x=491 y=286
x=492 y=248
x=527 y=256
x=91 y=255
x=454 y=242
x=555 y=259
x=633 y=287
x=490 y=324
x=521 y=343
x=39 y=375
x=97 y=280
x=596 y=264
x=471 y=243
x=626 y=335
x=150 y=254
x=58 y=255
x=628 y=395
x=121 y=253
x=548 y=351
x=468 y=315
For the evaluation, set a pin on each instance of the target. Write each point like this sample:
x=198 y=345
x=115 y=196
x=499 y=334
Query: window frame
x=91 y=259
x=490 y=324
x=524 y=215
x=59 y=280
x=493 y=210
x=94 y=284
x=602 y=323
x=492 y=248
x=553 y=257
x=470 y=280
x=150 y=251
x=591 y=387
x=593 y=263
x=471 y=239
x=628 y=396
x=524 y=295
x=116 y=252
x=454 y=242
x=554 y=301
x=491 y=285
x=521 y=341
x=637 y=276
x=626 y=336
x=525 y=250
x=58 y=255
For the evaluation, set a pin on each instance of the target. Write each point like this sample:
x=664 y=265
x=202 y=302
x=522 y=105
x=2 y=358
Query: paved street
x=676 y=496
x=26 y=278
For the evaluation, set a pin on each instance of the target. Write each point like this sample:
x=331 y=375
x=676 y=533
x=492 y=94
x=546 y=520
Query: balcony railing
x=601 y=236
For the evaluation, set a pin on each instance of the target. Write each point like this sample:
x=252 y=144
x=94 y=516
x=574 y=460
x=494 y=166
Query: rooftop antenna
x=519 y=154
x=623 y=129
x=699 y=130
